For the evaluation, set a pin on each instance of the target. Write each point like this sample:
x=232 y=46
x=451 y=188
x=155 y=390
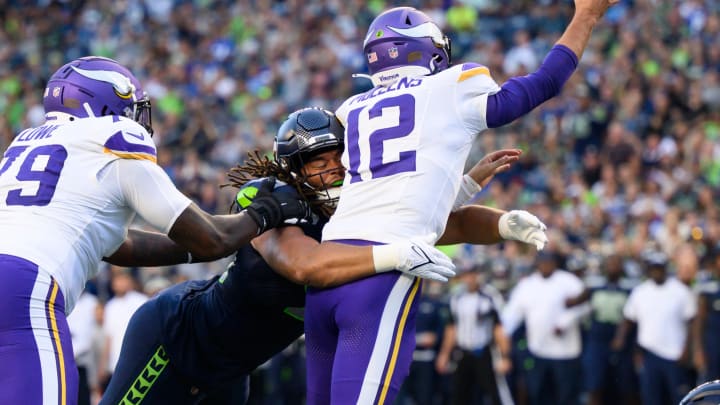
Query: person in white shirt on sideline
x=662 y=307
x=118 y=312
x=84 y=327
x=553 y=330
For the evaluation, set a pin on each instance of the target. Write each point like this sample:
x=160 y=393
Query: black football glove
x=270 y=206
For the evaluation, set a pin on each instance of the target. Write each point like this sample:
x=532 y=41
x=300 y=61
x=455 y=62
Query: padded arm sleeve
x=520 y=95
x=149 y=191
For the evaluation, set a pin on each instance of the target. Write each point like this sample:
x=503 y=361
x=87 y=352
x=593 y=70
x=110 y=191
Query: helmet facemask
x=322 y=195
x=142 y=113
x=304 y=136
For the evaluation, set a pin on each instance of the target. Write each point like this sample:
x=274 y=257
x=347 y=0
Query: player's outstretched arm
x=484 y=171
x=303 y=260
x=481 y=225
x=189 y=228
x=144 y=248
x=196 y=236
x=519 y=95
x=496 y=225
x=587 y=14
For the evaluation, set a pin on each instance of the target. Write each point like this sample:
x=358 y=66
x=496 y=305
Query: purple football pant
x=360 y=338
x=36 y=358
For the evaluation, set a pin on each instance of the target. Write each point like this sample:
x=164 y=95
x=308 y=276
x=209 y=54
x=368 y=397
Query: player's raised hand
x=270 y=204
x=416 y=257
x=524 y=227
x=594 y=8
x=492 y=164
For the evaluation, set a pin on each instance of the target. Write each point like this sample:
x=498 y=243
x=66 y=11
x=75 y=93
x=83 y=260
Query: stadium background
x=627 y=158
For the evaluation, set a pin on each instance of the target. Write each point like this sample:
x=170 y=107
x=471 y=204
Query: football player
x=199 y=340
x=68 y=190
x=407 y=140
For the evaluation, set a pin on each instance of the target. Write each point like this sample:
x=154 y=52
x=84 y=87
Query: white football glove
x=415 y=257
x=524 y=227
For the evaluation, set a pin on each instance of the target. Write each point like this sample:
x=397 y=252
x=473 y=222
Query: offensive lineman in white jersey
x=407 y=141
x=68 y=191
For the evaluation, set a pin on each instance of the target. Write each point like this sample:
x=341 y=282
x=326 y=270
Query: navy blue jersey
x=711 y=292
x=225 y=327
x=432 y=316
x=607 y=304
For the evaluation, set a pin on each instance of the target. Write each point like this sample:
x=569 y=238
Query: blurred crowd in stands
x=625 y=161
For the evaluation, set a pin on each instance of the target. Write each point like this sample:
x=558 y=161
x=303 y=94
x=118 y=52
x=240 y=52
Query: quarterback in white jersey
x=406 y=142
x=68 y=191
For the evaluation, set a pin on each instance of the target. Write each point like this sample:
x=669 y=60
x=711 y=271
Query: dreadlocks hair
x=257 y=167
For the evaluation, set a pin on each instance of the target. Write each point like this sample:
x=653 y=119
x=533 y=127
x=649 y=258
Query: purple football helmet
x=94 y=86
x=404 y=41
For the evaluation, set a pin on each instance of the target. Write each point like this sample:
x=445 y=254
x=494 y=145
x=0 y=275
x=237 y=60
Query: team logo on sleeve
x=393 y=52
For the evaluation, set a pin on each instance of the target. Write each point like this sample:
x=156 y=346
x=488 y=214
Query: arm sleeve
x=520 y=95
x=468 y=189
x=149 y=191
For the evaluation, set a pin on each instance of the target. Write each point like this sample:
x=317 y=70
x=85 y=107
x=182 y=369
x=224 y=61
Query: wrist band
x=385 y=257
x=468 y=188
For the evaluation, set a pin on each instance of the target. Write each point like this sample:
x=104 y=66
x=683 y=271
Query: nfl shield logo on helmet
x=393 y=52
x=372 y=57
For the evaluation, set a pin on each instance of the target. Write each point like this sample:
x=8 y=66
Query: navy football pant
x=145 y=374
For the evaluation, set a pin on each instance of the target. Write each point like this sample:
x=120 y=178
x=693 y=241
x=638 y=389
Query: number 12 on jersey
x=382 y=125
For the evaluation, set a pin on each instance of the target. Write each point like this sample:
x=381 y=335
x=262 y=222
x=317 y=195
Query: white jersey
x=64 y=205
x=405 y=150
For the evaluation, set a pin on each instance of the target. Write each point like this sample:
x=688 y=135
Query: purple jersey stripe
x=54 y=307
x=471 y=65
x=118 y=143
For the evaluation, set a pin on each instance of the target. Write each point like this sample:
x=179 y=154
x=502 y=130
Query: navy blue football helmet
x=306 y=133
x=704 y=394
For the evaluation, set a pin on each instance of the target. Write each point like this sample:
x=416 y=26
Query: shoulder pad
x=129 y=140
x=468 y=70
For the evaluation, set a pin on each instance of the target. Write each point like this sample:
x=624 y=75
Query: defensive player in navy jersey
x=199 y=339
x=68 y=191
